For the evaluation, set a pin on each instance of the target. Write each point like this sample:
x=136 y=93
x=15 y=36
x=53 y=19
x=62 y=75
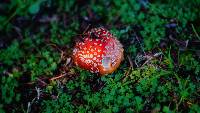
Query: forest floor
x=160 y=71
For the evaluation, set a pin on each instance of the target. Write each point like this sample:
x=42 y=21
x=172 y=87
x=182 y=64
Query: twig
x=129 y=69
x=149 y=58
x=44 y=83
x=140 y=44
x=138 y=59
x=38 y=90
x=86 y=29
x=51 y=44
x=126 y=74
x=136 y=63
x=130 y=61
x=61 y=56
x=29 y=106
x=58 y=77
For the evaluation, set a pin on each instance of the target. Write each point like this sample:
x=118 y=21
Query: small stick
x=149 y=58
x=42 y=81
x=86 y=29
x=58 y=77
x=130 y=61
x=52 y=44
x=129 y=69
x=140 y=45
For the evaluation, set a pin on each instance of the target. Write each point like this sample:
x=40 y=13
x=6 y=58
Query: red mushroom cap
x=99 y=52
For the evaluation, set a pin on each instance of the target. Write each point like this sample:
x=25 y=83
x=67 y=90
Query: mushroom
x=99 y=52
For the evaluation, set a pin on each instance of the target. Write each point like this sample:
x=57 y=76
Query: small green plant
x=12 y=54
x=8 y=90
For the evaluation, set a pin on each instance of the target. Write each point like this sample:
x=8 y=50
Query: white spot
x=99 y=50
x=91 y=55
x=95 y=64
x=97 y=39
x=100 y=44
x=98 y=56
x=87 y=61
x=91 y=71
x=82 y=59
x=74 y=51
x=86 y=56
x=92 y=68
x=97 y=60
x=94 y=58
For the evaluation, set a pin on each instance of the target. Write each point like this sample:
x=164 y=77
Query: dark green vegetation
x=160 y=72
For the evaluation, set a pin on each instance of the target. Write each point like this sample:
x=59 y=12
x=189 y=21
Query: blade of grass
x=193 y=28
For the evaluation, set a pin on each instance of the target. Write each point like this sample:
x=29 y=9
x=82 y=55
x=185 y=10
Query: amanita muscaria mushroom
x=99 y=52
